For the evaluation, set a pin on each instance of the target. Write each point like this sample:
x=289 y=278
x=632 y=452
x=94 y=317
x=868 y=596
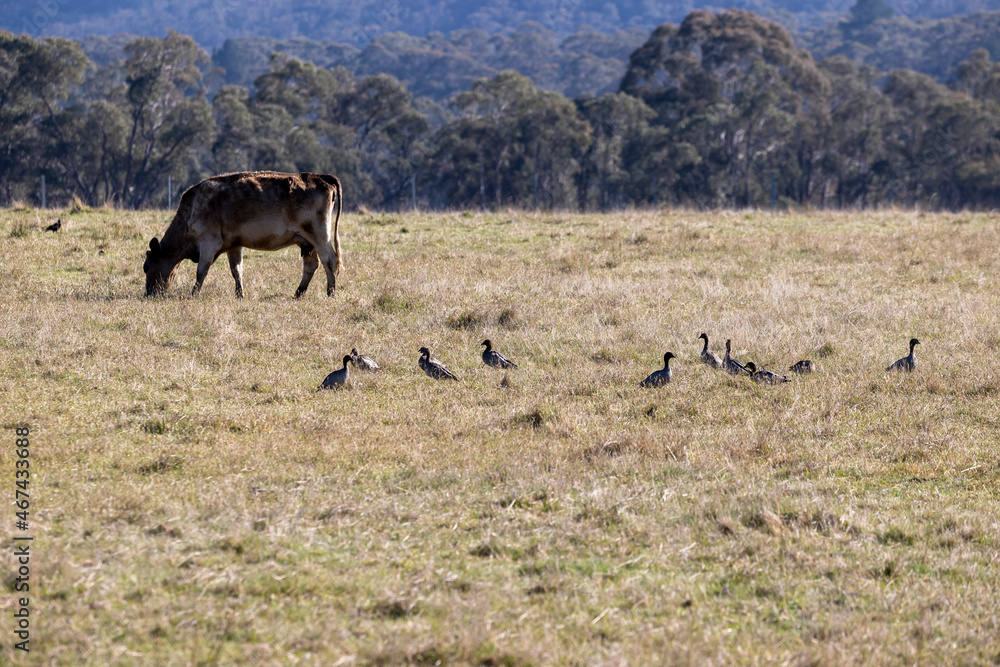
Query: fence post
x=170 y=193
x=774 y=194
x=534 y=167
x=43 y=191
x=413 y=189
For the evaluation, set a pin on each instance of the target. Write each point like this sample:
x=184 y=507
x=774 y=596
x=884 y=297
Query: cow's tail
x=338 y=192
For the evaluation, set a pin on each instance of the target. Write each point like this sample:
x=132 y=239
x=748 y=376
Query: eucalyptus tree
x=735 y=88
x=36 y=78
x=168 y=113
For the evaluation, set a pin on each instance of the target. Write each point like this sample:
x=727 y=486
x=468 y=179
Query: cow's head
x=159 y=269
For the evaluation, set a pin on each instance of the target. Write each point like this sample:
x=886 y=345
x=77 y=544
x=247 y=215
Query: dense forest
x=718 y=110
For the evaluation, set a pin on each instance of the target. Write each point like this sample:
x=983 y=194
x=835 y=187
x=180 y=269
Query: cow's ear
x=154 y=244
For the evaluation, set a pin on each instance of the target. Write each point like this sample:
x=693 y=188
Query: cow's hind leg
x=236 y=267
x=329 y=259
x=310 y=262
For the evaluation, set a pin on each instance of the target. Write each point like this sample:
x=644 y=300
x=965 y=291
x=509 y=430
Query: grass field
x=195 y=499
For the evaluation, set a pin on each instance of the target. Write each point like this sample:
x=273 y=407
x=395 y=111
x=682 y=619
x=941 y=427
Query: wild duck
x=493 y=358
x=731 y=365
x=660 y=377
x=803 y=367
x=433 y=367
x=339 y=377
x=764 y=377
x=907 y=363
x=363 y=361
x=710 y=358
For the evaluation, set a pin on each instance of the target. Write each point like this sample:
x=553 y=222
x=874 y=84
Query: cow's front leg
x=206 y=255
x=310 y=262
x=236 y=268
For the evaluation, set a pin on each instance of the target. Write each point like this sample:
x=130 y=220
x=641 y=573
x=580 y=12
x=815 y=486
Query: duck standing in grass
x=732 y=366
x=363 y=361
x=433 y=367
x=803 y=367
x=338 y=378
x=710 y=358
x=764 y=377
x=493 y=358
x=907 y=363
x=660 y=377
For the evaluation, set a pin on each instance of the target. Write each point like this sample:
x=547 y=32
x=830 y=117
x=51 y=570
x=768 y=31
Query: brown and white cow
x=261 y=210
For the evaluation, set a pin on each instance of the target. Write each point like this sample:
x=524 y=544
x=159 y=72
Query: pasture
x=195 y=499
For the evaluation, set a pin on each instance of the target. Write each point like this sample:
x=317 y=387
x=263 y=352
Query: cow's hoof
x=299 y=293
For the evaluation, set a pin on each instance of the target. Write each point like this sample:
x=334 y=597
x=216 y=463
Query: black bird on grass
x=764 y=377
x=338 y=378
x=731 y=365
x=803 y=367
x=433 y=367
x=54 y=227
x=907 y=363
x=363 y=361
x=660 y=377
x=493 y=358
x=710 y=358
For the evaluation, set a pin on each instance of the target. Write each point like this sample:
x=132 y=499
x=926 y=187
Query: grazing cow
x=262 y=210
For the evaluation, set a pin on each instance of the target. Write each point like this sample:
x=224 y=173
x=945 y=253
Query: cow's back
x=260 y=210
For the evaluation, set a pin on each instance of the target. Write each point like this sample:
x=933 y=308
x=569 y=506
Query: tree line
x=722 y=110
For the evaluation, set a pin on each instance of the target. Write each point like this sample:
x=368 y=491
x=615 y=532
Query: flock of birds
x=429 y=365
x=438 y=371
x=435 y=369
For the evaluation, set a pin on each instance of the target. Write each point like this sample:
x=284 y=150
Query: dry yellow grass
x=196 y=500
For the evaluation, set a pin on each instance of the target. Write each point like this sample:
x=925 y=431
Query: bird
x=731 y=365
x=493 y=358
x=363 y=361
x=764 y=377
x=710 y=358
x=907 y=363
x=803 y=367
x=339 y=377
x=433 y=367
x=54 y=227
x=660 y=377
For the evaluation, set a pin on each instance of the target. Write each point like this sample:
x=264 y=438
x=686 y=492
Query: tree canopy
x=720 y=110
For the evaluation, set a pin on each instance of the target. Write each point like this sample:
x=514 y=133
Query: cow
x=262 y=210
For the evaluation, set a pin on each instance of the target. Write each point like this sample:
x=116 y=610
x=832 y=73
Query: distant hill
x=931 y=46
x=583 y=64
x=356 y=22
